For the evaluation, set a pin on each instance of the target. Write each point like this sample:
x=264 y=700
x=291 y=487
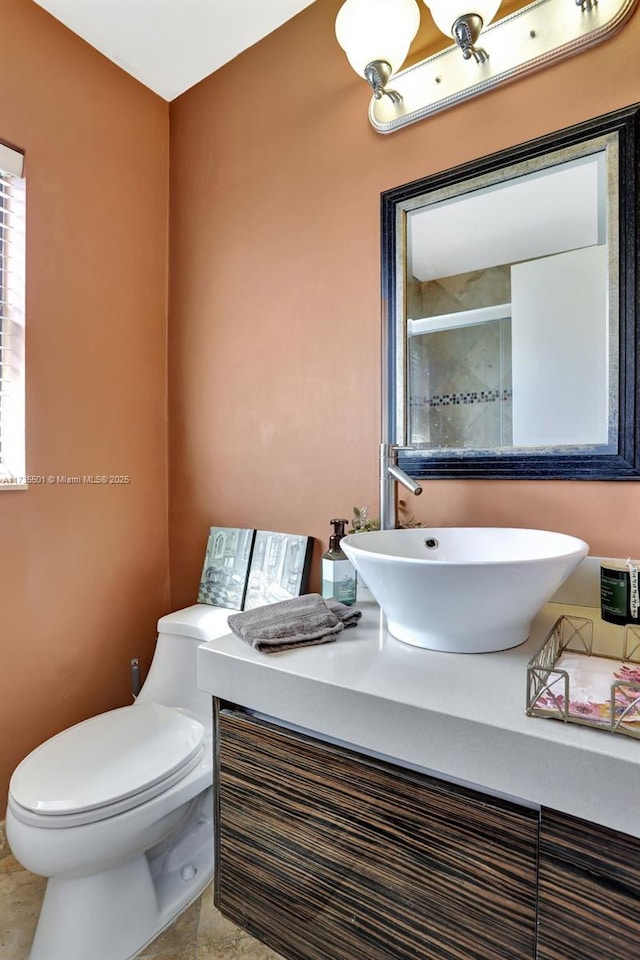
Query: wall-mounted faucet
x=389 y=473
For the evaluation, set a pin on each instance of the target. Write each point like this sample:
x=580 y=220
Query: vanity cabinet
x=324 y=854
x=589 y=891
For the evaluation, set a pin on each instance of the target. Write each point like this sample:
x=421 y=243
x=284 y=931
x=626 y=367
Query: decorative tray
x=569 y=679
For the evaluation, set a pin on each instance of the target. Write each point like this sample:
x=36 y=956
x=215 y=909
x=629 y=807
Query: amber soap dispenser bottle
x=338 y=575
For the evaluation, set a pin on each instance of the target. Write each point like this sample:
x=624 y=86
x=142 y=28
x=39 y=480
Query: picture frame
x=279 y=568
x=223 y=582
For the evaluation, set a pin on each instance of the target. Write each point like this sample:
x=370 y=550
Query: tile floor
x=200 y=933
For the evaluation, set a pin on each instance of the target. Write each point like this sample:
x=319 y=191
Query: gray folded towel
x=299 y=622
x=348 y=615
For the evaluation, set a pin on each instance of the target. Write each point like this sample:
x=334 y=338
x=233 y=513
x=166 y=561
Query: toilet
x=117 y=810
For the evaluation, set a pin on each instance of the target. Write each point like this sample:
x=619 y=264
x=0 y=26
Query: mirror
x=509 y=288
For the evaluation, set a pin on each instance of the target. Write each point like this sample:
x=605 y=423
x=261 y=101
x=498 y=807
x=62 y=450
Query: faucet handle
x=390 y=448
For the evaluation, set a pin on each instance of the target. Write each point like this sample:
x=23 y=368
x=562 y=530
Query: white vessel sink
x=463 y=589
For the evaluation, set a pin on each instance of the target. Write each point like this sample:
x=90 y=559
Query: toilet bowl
x=117 y=810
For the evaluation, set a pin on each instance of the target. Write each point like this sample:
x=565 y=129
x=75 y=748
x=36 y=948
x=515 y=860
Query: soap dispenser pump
x=338 y=575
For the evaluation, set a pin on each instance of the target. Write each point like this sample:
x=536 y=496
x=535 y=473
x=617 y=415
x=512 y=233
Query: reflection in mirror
x=530 y=301
x=505 y=328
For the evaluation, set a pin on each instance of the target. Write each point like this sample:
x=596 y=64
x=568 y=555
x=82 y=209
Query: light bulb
x=377 y=30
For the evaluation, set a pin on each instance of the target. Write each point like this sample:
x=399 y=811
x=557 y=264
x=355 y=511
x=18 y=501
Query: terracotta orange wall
x=84 y=569
x=275 y=290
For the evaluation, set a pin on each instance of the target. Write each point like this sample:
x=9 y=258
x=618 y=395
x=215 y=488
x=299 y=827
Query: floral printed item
x=590 y=685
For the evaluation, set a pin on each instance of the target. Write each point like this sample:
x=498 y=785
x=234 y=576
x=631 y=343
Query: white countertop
x=461 y=717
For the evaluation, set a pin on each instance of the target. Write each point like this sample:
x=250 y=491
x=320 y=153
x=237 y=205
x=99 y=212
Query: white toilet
x=117 y=811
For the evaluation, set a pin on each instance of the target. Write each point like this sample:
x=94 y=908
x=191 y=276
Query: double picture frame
x=246 y=568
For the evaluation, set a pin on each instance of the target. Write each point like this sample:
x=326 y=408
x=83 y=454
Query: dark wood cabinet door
x=589 y=891
x=326 y=855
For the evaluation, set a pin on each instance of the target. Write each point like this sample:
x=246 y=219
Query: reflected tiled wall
x=460 y=379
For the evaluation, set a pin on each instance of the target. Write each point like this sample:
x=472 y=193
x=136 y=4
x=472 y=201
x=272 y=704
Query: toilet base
x=114 y=914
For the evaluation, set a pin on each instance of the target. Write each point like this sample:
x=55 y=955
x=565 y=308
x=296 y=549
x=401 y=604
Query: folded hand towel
x=299 y=622
x=348 y=615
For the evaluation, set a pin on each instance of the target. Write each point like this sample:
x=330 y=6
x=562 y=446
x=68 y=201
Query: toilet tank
x=172 y=677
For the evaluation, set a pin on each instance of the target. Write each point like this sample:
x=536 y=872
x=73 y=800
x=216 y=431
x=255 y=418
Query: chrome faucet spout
x=390 y=473
x=412 y=485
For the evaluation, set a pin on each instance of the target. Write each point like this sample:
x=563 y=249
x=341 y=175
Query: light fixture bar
x=539 y=34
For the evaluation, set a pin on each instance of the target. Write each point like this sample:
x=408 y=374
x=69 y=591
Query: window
x=12 y=316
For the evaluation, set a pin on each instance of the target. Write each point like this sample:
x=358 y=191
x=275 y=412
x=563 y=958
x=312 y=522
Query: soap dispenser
x=338 y=575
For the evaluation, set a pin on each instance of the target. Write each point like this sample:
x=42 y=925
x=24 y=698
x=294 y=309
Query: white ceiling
x=169 y=45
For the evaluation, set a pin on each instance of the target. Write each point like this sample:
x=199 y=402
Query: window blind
x=12 y=319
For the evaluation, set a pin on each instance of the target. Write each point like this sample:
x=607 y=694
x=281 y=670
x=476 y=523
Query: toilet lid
x=106 y=759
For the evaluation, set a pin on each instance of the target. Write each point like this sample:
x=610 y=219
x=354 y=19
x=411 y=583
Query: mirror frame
x=621 y=465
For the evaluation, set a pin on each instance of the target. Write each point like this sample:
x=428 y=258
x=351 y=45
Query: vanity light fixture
x=463 y=20
x=376 y=36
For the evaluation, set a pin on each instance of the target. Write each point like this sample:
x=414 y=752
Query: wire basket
x=569 y=680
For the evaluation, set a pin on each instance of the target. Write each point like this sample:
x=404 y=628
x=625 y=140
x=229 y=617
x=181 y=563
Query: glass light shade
x=446 y=12
x=369 y=30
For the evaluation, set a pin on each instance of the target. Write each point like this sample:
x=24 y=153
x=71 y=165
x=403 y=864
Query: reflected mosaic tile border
x=455 y=399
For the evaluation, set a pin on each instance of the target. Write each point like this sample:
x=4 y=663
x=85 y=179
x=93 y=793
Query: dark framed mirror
x=510 y=301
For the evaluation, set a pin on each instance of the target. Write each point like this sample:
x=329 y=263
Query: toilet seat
x=106 y=765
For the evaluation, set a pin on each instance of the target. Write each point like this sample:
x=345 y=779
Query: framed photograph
x=226 y=565
x=279 y=568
